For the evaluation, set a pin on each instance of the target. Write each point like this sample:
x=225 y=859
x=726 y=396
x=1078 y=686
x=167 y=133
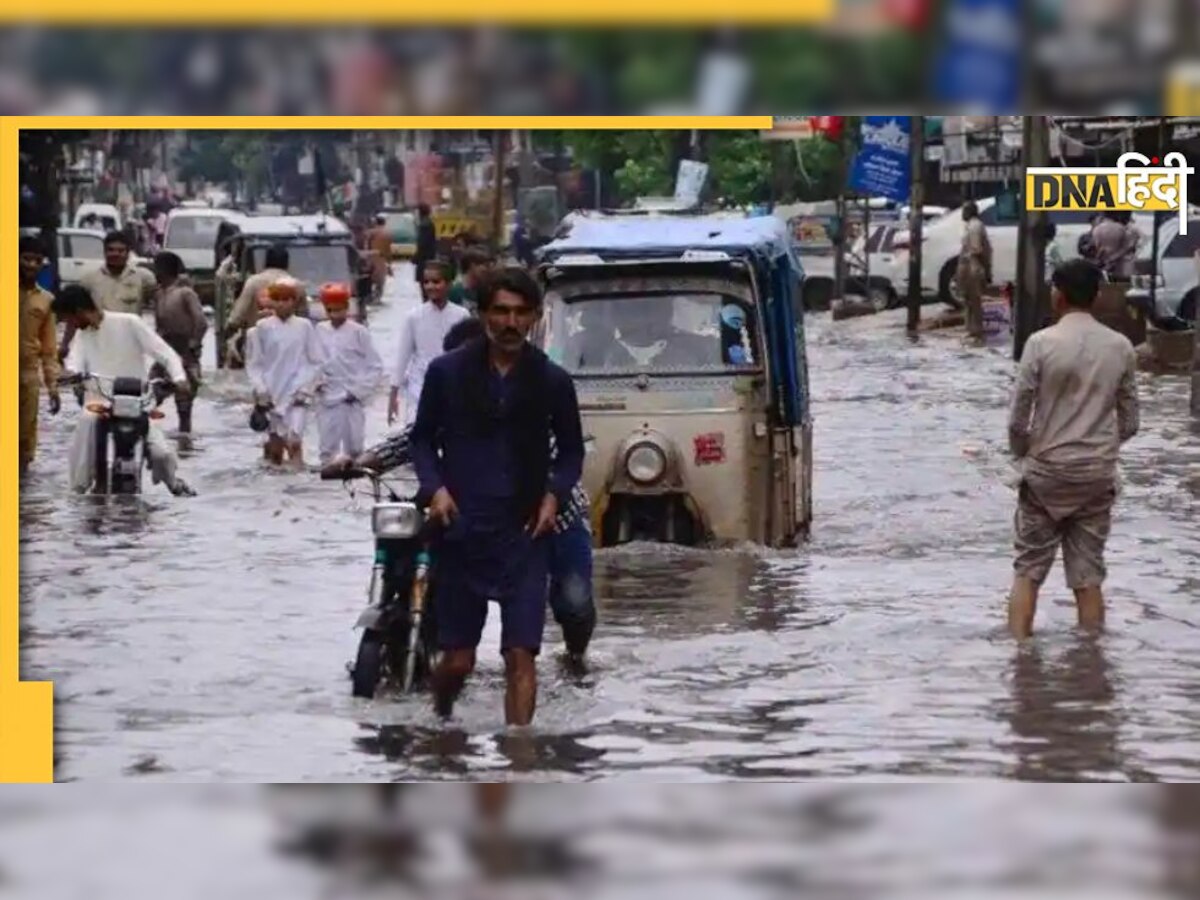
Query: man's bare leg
x=520 y=694
x=1089 y=601
x=449 y=678
x=295 y=453
x=1022 y=604
x=273 y=450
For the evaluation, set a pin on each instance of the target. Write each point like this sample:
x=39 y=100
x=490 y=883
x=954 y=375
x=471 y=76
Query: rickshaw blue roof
x=656 y=236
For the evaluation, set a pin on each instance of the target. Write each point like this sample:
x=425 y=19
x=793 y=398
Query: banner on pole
x=881 y=167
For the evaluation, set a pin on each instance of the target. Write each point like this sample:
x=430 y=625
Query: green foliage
x=642 y=162
x=740 y=166
x=647 y=163
x=229 y=158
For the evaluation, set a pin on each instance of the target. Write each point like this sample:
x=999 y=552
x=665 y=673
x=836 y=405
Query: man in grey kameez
x=1075 y=403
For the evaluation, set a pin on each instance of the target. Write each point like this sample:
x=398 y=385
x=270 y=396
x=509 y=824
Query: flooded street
x=207 y=639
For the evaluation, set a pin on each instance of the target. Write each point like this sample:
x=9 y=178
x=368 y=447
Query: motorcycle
x=122 y=420
x=398 y=642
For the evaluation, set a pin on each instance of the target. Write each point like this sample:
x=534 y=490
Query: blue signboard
x=882 y=167
x=979 y=65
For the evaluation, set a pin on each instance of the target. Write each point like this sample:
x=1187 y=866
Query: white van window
x=86 y=246
x=192 y=233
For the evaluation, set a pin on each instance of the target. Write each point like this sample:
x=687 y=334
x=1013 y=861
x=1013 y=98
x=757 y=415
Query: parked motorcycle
x=398 y=642
x=122 y=423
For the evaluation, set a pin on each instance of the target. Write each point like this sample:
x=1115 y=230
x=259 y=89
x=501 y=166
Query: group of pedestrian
x=492 y=429
x=294 y=365
x=492 y=426
x=1111 y=245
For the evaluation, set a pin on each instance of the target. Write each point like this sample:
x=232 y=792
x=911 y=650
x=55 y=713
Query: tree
x=642 y=162
x=740 y=166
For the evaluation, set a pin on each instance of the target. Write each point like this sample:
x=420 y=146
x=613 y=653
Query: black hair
x=72 y=300
x=442 y=265
x=513 y=279
x=117 y=237
x=169 y=262
x=1079 y=282
x=474 y=256
x=461 y=332
x=31 y=244
x=276 y=257
x=970 y=209
x=423 y=209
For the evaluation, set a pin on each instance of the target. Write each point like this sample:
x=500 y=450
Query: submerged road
x=207 y=639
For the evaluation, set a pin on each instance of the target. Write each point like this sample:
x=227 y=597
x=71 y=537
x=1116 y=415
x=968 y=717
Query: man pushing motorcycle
x=571 y=598
x=481 y=448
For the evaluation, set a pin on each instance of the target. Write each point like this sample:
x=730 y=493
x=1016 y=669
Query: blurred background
x=978 y=56
x=628 y=841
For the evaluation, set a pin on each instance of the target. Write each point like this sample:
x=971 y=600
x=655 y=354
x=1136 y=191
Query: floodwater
x=207 y=639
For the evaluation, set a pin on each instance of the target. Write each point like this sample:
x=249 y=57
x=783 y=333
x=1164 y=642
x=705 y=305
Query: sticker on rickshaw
x=710 y=448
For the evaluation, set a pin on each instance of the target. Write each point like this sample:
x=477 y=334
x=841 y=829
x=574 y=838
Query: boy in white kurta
x=351 y=373
x=421 y=338
x=112 y=345
x=284 y=364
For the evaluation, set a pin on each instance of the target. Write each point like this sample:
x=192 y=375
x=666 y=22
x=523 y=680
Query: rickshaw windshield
x=652 y=332
x=313 y=263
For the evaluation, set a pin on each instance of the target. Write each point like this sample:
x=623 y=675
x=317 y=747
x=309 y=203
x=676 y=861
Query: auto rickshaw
x=690 y=365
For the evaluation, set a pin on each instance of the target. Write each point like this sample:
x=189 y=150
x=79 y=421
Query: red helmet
x=335 y=294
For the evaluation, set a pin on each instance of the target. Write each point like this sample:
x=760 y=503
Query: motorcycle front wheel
x=368 y=665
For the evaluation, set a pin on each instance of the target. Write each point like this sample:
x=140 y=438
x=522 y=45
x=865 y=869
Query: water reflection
x=1064 y=714
x=676 y=592
x=117 y=517
x=1177 y=808
x=447 y=752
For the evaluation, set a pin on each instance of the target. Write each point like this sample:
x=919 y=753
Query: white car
x=942 y=241
x=1178 y=277
x=881 y=281
x=97 y=217
x=192 y=235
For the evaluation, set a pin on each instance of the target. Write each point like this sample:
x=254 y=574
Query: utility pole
x=1156 y=218
x=839 y=258
x=1028 y=305
x=1196 y=374
x=916 y=220
x=498 y=160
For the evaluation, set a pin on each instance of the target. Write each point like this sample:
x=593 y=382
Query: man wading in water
x=481 y=448
x=1075 y=404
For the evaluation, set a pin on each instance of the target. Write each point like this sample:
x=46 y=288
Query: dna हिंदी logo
x=1146 y=187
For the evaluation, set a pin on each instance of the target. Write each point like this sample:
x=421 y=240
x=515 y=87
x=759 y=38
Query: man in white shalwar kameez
x=421 y=338
x=113 y=345
x=284 y=361
x=352 y=372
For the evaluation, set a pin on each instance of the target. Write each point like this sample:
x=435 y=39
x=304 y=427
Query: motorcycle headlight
x=126 y=407
x=396 y=520
x=646 y=463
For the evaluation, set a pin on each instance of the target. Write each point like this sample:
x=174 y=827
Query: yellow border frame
x=386 y=12
x=27 y=708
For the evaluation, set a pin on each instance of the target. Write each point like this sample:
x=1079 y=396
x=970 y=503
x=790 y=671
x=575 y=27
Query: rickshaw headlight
x=395 y=520
x=646 y=463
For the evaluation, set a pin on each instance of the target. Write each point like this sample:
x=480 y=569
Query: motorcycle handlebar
x=347 y=473
x=77 y=378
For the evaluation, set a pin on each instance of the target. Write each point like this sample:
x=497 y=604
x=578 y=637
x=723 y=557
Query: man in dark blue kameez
x=481 y=448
